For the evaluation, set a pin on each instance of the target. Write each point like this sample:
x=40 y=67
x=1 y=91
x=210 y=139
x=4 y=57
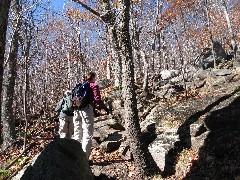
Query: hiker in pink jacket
x=91 y=77
x=84 y=116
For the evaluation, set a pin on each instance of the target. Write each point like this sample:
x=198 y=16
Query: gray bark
x=211 y=37
x=116 y=55
x=122 y=38
x=26 y=41
x=108 y=16
x=4 y=11
x=233 y=41
x=9 y=85
x=130 y=102
x=145 y=72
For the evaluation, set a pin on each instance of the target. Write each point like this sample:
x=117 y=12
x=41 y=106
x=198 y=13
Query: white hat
x=68 y=92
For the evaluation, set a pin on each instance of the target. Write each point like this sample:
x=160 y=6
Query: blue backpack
x=82 y=95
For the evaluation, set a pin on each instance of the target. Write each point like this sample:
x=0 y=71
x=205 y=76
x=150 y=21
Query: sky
x=57 y=4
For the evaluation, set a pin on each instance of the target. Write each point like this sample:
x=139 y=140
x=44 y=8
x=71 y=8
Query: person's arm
x=98 y=99
x=59 y=106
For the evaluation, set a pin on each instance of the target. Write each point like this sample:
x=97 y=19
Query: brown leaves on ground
x=39 y=134
x=111 y=164
x=184 y=163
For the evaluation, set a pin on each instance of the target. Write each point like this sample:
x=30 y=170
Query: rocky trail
x=193 y=138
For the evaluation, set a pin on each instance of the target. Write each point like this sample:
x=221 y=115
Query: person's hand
x=56 y=119
x=107 y=111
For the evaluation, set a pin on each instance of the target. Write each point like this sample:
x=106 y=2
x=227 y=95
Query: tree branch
x=87 y=8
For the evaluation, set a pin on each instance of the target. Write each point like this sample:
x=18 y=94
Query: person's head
x=91 y=77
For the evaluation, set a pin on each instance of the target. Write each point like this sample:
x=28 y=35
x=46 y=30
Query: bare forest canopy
x=55 y=49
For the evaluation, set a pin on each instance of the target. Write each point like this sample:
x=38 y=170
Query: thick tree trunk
x=4 y=10
x=9 y=85
x=130 y=102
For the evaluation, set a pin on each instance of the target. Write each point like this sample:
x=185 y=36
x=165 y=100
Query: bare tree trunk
x=146 y=76
x=108 y=69
x=108 y=16
x=81 y=67
x=26 y=44
x=130 y=102
x=159 y=32
x=182 y=64
x=116 y=55
x=25 y=101
x=9 y=85
x=209 y=28
x=69 y=71
x=233 y=41
x=135 y=30
x=44 y=100
x=4 y=10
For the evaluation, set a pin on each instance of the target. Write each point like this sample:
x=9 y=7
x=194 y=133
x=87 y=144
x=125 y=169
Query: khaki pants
x=66 y=127
x=83 y=120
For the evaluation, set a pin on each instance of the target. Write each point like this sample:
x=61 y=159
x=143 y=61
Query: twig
x=42 y=138
x=29 y=147
x=10 y=177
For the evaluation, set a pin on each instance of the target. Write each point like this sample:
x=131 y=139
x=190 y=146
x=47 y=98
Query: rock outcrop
x=62 y=159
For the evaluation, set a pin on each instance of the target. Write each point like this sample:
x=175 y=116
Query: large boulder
x=160 y=148
x=207 y=60
x=168 y=74
x=238 y=53
x=219 y=51
x=62 y=159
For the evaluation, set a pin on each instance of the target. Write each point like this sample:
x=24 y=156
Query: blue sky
x=57 y=4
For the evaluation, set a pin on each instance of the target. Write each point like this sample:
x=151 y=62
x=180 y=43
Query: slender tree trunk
x=146 y=76
x=45 y=72
x=108 y=16
x=81 y=66
x=130 y=102
x=9 y=85
x=69 y=71
x=159 y=33
x=108 y=69
x=233 y=41
x=211 y=36
x=135 y=30
x=26 y=51
x=4 y=11
x=25 y=92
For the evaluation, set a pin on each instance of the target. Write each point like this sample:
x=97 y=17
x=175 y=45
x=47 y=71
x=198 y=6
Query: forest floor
x=189 y=163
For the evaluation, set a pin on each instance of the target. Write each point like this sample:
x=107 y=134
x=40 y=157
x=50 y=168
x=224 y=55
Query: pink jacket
x=97 y=96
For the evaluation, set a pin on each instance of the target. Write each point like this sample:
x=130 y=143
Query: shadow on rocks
x=220 y=131
x=219 y=156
